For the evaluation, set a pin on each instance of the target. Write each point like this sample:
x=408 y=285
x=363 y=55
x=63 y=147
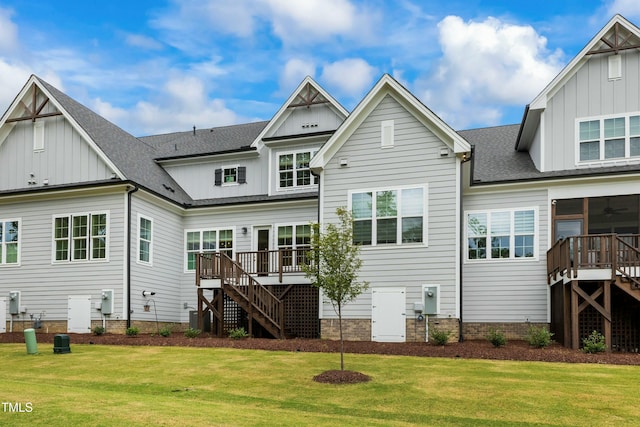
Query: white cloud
x=305 y=19
x=627 y=8
x=8 y=32
x=180 y=104
x=143 y=42
x=294 y=71
x=350 y=76
x=486 y=64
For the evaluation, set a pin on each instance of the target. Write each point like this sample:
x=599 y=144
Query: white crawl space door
x=388 y=314
x=3 y=315
x=79 y=318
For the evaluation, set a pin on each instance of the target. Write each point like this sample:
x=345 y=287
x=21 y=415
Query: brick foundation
x=360 y=329
x=513 y=331
x=112 y=326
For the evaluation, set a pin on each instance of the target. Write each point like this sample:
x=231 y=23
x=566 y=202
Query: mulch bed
x=471 y=349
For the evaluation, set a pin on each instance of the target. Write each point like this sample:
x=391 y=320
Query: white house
x=465 y=231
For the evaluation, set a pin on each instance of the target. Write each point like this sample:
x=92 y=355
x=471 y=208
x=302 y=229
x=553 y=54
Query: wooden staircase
x=255 y=299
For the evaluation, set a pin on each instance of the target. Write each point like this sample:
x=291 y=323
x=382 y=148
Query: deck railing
x=620 y=253
x=280 y=261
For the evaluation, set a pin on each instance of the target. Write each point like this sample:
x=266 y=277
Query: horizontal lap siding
x=508 y=290
x=414 y=160
x=164 y=274
x=236 y=217
x=45 y=286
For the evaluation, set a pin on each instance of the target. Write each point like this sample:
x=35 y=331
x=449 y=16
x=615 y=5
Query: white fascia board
x=81 y=131
x=388 y=85
x=540 y=102
x=282 y=114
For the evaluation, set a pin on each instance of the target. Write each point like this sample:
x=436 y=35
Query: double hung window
x=9 y=242
x=207 y=241
x=293 y=170
x=145 y=229
x=610 y=138
x=389 y=216
x=501 y=234
x=294 y=241
x=80 y=237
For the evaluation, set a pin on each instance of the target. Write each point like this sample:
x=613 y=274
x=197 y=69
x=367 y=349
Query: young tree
x=334 y=265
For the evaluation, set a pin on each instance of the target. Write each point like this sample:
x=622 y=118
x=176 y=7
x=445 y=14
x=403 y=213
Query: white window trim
x=230 y=184
x=38 y=136
x=387 y=133
x=3 y=258
x=627 y=159
x=512 y=258
x=294 y=246
x=614 y=63
x=90 y=258
x=138 y=260
x=201 y=230
x=398 y=244
x=312 y=152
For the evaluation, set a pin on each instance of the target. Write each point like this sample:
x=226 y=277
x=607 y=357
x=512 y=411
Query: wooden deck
x=239 y=281
x=582 y=271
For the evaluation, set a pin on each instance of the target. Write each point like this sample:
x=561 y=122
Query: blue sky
x=156 y=66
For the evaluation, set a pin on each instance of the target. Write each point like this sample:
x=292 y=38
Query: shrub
x=99 y=330
x=539 y=337
x=132 y=331
x=496 y=338
x=238 y=333
x=594 y=343
x=165 y=331
x=440 y=337
x=191 y=333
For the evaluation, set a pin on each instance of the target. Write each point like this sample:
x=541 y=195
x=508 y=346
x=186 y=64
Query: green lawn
x=121 y=385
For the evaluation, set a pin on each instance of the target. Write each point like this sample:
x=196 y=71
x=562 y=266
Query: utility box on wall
x=107 y=301
x=14 y=302
x=431 y=299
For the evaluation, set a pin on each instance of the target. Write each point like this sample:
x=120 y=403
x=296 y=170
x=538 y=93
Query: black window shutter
x=218 y=180
x=242 y=175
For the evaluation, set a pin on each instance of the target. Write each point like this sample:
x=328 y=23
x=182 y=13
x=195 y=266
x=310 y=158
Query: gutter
x=129 y=193
x=462 y=225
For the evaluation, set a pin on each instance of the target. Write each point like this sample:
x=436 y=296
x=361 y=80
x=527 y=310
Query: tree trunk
x=341 y=338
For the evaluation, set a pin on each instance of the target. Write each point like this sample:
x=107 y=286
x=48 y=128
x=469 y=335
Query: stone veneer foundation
x=112 y=326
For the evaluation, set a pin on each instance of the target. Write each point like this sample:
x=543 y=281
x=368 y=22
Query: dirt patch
x=473 y=349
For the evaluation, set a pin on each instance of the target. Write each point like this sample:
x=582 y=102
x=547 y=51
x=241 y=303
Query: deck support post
x=607 y=308
x=575 y=314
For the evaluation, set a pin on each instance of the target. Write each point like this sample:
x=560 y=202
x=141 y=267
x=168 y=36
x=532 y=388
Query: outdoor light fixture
x=244 y=230
x=147 y=293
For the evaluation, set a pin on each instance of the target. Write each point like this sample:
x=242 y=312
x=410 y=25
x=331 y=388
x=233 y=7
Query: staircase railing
x=254 y=298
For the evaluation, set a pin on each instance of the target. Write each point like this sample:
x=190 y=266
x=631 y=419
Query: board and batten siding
x=162 y=275
x=414 y=159
x=312 y=119
x=508 y=290
x=198 y=178
x=45 y=285
x=588 y=93
x=66 y=157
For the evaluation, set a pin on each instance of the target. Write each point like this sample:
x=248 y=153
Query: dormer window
x=609 y=138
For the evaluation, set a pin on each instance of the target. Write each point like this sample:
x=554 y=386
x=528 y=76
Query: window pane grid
x=207 y=241
x=391 y=217
x=511 y=234
x=609 y=138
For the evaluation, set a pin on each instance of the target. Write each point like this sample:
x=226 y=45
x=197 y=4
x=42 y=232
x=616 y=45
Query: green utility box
x=61 y=344
x=30 y=341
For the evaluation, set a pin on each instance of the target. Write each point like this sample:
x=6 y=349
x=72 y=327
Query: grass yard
x=142 y=386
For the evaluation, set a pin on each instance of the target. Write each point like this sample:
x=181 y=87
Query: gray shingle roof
x=205 y=141
x=130 y=155
x=496 y=161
